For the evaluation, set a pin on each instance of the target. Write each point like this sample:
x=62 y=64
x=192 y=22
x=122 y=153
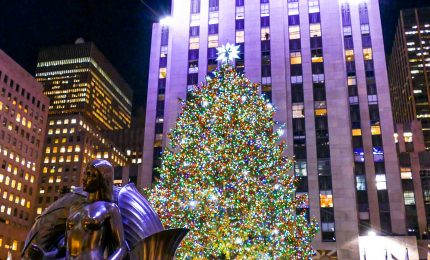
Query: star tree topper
x=227 y=53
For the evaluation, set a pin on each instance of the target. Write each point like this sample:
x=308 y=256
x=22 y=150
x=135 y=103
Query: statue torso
x=86 y=231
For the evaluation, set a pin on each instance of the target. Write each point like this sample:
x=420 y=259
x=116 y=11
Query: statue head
x=98 y=177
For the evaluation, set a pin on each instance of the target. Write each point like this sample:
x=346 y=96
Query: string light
x=229 y=181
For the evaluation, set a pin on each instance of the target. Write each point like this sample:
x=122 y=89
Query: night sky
x=121 y=29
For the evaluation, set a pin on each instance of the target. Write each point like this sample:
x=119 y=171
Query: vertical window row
x=354 y=109
x=240 y=34
x=321 y=124
x=159 y=117
x=297 y=99
x=266 y=73
x=213 y=37
x=194 y=45
x=378 y=150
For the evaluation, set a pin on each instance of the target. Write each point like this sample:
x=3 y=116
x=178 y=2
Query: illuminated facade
x=409 y=69
x=23 y=117
x=87 y=97
x=130 y=141
x=322 y=64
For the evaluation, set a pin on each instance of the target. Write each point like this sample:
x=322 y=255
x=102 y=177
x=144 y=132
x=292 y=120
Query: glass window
x=408 y=137
x=194 y=43
x=212 y=41
x=347 y=31
x=376 y=130
x=314 y=6
x=296 y=79
x=300 y=168
x=361 y=182
x=240 y=12
x=195 y=6
x=293 y=8
x=265 y=11
x=213 y=17
x=326 y=199
x=265 y=33
x=409 y=197
x=240 y=36
x=381 y=182
x=406 y=173
x=315 y=30
x=368 y=54
x=296 y=57
x=365 y=29
x=298 y=110
x=349 y=54
x=294 y=32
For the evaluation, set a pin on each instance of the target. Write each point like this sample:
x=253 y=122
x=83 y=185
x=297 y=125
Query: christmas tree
x=225 y=177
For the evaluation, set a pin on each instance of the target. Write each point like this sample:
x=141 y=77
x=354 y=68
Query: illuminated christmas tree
x=225 y=177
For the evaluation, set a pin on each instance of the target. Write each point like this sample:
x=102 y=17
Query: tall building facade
x=23 y=117
x=87 y=97
x=409 y=69
x=322 y=64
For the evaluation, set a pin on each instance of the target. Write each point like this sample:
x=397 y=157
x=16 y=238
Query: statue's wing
x=138 y=217
x=161 y=245
x=50 y=226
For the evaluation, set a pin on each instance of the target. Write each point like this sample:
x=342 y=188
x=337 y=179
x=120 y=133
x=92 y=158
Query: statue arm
x=118 y=239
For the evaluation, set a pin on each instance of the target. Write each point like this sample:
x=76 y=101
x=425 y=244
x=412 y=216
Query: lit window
x=296 y=79
x=349 y=54
x=213 y=41
x=326 y=199
x=240 y=36
x=28 y=204
x=194 y=43
x=314 y=6
x=318 y=78
x=293 y=8
x=298 y=110
x=352 y=81
x=240 y=12
x=39 y=211
x=315 y=30
x=381 y=182
x=365 y=29
x=361 y=182
x=300 y=168
x=407 y=137
x=321 y=112
x=296 y=58
x=406 y=173
x=265 y=11
x=347 y=31
x=265 y=33
x=294 y=32
x=213 y=17
x=73 y=121
x=163 y=73
x=376 y=130
x=368 y=54
x=409 y=197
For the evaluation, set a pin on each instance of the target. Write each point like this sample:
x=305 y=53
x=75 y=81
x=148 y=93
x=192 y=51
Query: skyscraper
x=322 y=64
x=87 y=97
x=23 y=117
x=409 y=69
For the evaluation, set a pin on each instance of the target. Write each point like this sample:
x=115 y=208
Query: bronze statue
x=101 y=221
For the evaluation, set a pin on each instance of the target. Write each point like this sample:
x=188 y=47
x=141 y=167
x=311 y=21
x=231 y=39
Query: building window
x=294 y=32
x=409 y=197
x=361 y=182
x=407 y=137
x=298 y=110
x=300 y=168
x=381 y=182
x=315 y=30
x=406 y=173
x=326 y=199
x=296 y=57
